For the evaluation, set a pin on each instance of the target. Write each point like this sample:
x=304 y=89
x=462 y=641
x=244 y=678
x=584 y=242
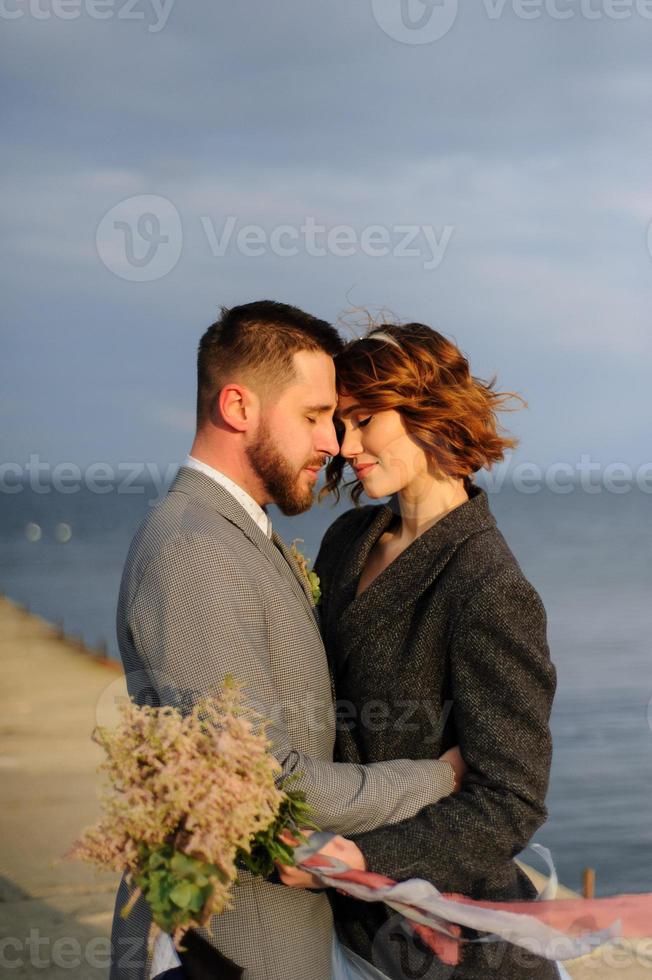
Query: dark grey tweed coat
x=447 y=644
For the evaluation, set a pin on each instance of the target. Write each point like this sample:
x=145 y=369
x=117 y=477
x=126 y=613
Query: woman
x=435 y=638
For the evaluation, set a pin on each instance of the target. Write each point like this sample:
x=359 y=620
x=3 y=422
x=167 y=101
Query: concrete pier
x=55 y=915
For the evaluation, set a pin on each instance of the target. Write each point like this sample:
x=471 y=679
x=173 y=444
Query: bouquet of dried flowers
x=191 y=797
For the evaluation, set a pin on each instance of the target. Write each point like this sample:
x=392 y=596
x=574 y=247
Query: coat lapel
x=346 y=572
x=198 y=485
x=409 y=575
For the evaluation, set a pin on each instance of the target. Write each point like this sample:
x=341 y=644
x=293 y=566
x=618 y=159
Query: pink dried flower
x=200 y=785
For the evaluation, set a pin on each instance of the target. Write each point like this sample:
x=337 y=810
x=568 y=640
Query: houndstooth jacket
x=206 y=593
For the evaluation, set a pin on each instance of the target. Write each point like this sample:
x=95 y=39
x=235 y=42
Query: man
x=209 y=589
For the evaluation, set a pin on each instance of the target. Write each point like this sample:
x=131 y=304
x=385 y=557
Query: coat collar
x=416 y=567
x=201 y=487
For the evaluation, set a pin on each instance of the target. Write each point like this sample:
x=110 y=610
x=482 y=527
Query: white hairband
x=387 y=337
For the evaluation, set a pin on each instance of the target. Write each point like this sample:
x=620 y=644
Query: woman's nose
x=350 y=445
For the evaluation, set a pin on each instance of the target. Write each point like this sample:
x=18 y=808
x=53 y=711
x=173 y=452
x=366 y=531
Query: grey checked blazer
x=206 y=593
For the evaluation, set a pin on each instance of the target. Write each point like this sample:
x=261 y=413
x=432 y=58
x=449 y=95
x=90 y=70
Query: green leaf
x=156 y=860
x=196 y=903
x=154 y=891
x=293 y=814
x=183 y=893
x=183 y=865
x=213 y=871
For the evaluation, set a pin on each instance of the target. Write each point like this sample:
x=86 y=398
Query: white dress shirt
x=254 y=510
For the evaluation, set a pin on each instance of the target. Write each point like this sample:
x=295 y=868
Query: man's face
x=296 y=434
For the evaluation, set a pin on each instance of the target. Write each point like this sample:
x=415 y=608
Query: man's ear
x=236 y=406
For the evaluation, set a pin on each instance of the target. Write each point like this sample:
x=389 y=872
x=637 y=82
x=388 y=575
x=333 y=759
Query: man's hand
x=454 y=758
x=339 y=847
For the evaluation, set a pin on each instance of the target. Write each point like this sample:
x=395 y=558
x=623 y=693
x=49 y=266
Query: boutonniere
x=312 y=578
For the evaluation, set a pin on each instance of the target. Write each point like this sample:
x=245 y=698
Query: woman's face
x=383 y=454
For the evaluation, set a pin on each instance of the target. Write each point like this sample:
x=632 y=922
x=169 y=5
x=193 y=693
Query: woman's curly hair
x=425 y=377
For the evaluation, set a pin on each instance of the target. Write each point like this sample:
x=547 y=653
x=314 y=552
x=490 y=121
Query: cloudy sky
x=485 y=170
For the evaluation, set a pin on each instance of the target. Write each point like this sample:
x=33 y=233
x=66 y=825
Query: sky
x=483 y=168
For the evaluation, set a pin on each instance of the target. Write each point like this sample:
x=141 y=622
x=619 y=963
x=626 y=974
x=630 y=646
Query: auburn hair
x=450 y=413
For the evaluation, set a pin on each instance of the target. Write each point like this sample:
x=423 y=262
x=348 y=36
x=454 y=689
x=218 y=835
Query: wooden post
x=588 y=883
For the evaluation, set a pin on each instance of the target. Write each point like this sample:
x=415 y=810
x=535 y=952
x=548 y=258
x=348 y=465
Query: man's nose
x=328 y=443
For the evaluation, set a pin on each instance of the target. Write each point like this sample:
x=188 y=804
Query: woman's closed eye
x=363 y=422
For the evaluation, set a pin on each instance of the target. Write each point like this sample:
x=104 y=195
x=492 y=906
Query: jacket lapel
x=293 y=565
x=198 y=485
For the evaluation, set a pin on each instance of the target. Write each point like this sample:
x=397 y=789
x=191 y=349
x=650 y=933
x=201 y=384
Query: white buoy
x=63 y=532
x=33 y=532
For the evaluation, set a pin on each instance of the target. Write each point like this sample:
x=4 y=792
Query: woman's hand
x=454 y=758
x=339 y=847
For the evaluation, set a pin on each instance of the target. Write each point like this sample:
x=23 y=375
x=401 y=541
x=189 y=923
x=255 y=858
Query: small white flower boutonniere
x=311 y=577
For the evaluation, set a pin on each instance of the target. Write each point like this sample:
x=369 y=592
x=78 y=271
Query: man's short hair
x=255 y=344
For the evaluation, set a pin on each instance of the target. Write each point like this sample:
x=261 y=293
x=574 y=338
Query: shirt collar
x=254 y=509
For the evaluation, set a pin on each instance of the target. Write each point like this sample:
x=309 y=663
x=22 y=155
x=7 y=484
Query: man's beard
x=280 y=480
